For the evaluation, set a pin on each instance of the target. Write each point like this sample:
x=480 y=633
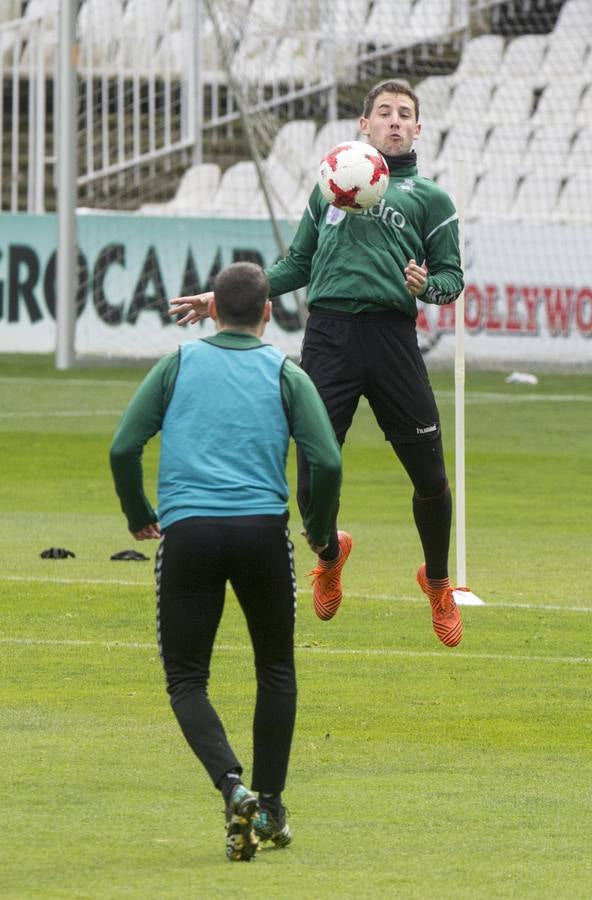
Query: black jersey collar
x=403 y=161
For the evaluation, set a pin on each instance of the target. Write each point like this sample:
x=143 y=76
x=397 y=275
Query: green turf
x=417 y=771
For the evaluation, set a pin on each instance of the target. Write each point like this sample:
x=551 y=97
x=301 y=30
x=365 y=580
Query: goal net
x=201 y=126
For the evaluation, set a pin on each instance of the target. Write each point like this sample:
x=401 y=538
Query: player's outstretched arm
x=190 y=310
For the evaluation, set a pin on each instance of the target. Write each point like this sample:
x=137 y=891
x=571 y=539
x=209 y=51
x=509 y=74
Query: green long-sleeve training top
x=307 y=419
x=356 y=262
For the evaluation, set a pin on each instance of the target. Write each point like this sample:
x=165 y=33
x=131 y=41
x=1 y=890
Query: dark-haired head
x=390 y=87
x=241 y=291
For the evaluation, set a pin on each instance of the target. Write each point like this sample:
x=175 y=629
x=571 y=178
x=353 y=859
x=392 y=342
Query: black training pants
x=196 y=559
x=376 y=355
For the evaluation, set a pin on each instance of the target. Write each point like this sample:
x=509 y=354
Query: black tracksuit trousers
x=196 y=559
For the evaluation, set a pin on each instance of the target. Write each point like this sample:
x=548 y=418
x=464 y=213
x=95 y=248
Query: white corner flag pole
x=462 y=595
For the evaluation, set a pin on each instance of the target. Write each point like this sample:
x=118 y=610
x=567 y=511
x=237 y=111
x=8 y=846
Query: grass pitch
x=417 y=771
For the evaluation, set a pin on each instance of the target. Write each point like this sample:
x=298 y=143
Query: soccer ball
x=353 y=176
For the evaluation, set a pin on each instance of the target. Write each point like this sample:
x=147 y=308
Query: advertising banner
x=528 y=295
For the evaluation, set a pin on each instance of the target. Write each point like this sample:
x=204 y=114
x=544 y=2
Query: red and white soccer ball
x=353 y=176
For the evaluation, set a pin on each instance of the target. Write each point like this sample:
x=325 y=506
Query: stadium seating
x=100 y=24
x=536 y=155
x=505 y=144
x=537 y=195
x=497 y=105
x=523 y=57
x=575 y=202
x=458 y=180
x=264 y=26
x=238 y=193
x=429 y=19
x=387 y=23
x=428 y=146
x=433 y=93
x=48 y=10
x=296 y=60
x=512 y=100
x=571 y=16
x=284 y=191
x=564 y=56
x=581 y=151
x=332 y=133
x=481 y=56
x=586 y=72
x=464 y=141
x=142 y=24
x=195 y=193
x=343 y=26
x=559 y=103
x=493 y=194
x=467 y=101
x=292 y=146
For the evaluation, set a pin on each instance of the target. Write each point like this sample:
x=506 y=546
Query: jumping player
x=364 y=273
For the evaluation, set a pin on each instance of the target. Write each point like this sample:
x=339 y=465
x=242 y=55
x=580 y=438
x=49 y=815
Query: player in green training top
x=226 y=407
x=364 y=273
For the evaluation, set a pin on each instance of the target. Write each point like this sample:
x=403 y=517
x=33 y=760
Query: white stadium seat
x=543 y=154
x=559 y=103
x=463 y=142
x=575 y=201
x=433 y=93
x=511 y=101
x=505 y=144
x=283 y=189
x=565 y=55
x=292 y=146
x=428 y=145
x=238 y=194
x=581 y=151
x=573 y=16
x=49 y=11
x=468 y=100
x=455 y=179
x=493 y=194
x=387 y=23
x=332 y=133
x=99 y=28
x=481 y=56
x=537 y=196
x=429 y=19
x=195 y=193
x=142 y=25
x=523 y=57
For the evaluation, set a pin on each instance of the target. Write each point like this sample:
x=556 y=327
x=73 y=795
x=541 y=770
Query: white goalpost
x=462 y=595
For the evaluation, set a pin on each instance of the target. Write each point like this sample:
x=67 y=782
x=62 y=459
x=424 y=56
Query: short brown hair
x=240 y=291
x=391 y=87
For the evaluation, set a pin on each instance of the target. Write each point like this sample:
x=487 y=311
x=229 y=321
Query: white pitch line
x=149 y=585
x=490 y=605
x=76 y=382
x=485 y=397
x=64 y=414
x=330 y=651
x=117 y=581
x=470 y=396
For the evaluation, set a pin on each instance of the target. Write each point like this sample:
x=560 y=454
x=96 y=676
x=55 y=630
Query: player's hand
x=316 y=548
x=415 y=278
x=190 y=310
x=148 y=532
